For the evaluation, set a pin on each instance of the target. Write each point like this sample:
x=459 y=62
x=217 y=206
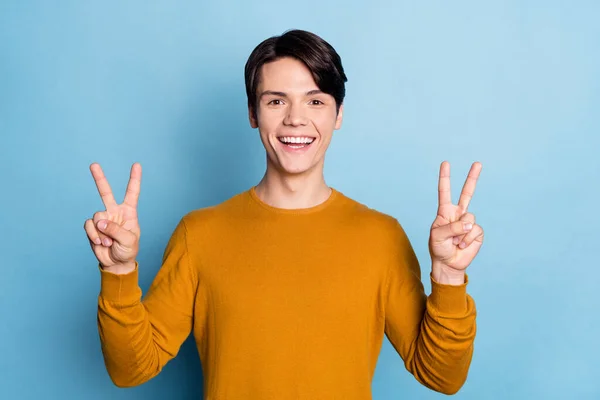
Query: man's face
x=295 y=119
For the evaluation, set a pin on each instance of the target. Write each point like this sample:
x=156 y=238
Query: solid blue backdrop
x=513 y=85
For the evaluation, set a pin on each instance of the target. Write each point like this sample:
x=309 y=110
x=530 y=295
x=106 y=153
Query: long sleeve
x=434 y=335
x=139 y=337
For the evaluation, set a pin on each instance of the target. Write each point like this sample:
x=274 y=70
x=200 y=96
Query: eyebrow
x=283 y=94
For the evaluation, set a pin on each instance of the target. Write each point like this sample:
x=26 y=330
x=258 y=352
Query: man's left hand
x=455 y=237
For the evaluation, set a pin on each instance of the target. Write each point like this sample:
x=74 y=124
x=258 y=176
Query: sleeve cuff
x=448 y=299
x=120 y=289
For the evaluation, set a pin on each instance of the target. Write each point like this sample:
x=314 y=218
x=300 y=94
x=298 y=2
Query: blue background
x=515 y=85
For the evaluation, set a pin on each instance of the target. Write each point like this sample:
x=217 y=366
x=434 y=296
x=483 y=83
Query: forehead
x=286 y=74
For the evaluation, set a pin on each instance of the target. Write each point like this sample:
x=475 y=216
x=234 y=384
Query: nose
x=294 y=116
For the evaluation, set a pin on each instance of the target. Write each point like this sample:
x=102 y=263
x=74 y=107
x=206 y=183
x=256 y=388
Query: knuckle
x=89 y=228
x=468 y=217
x=475 y=232
x=110 y=227
x=458 y=227
x=91 y=236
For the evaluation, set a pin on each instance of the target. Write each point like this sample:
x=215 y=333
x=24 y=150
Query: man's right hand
x=114 y=233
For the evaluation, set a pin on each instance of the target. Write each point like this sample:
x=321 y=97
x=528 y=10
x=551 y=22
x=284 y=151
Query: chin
x=294 y=168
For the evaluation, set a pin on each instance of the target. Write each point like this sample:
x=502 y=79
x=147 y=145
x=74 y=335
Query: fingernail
x=455 y=240
x=106 y=241
x=468 y=226
x=97 y=241
x=102 y=225
x=463 y=245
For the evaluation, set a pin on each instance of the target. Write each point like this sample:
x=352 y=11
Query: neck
x=293 y=191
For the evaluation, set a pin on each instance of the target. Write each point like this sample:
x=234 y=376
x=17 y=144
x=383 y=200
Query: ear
x=252 y=118
x=338 y=120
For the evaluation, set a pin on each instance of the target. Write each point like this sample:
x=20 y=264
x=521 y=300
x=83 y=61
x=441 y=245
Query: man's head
x=295 y=88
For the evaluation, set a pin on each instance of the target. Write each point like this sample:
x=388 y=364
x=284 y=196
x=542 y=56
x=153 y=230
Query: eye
x=316 y=102
x=275 y=102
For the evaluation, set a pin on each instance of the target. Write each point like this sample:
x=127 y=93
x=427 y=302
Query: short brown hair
x=319 y=56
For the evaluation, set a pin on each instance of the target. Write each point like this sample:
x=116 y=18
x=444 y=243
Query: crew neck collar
x=294 y=211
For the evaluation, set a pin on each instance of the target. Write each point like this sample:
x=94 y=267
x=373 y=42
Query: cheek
x=269 y=121
x=324 y=123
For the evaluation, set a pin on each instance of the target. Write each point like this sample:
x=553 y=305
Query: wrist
x=120 y=269
x=445 y=275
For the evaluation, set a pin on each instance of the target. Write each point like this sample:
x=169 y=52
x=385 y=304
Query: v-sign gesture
x=114 y=233
x=455 y=238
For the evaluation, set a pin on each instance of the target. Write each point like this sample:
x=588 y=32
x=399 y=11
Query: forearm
x=126 y=334
x=443 y=348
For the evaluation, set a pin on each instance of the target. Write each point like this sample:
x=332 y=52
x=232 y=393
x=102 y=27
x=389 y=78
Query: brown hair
x=319 y=56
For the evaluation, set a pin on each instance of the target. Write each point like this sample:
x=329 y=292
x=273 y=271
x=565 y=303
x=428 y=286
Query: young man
x=290 y=286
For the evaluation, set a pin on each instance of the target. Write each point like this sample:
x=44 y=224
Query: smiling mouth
x=296 y=143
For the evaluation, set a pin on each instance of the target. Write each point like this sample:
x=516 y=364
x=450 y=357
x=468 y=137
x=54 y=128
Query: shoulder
x=214 y=216
x=371 y=221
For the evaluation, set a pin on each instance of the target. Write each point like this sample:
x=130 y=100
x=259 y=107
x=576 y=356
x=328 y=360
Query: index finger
x=103 y=187
x=444 y=195
x=469 y=187
x=133 y=187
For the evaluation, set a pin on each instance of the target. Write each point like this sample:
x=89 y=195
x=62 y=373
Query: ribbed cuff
x=448 y=299
x=120 y=289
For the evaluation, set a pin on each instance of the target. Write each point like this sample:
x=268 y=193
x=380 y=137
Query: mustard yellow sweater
x=287 y=304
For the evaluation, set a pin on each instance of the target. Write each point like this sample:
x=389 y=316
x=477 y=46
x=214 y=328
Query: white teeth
x=303 y=140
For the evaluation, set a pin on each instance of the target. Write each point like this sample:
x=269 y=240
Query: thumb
x=116 y=232
x=450 y=230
